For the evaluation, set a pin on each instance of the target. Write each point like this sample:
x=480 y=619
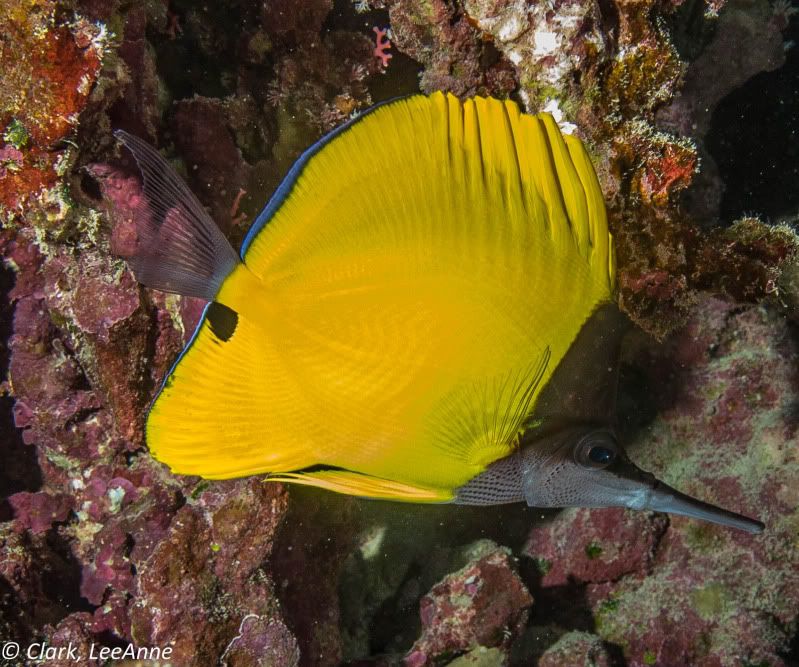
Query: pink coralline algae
x=11 y=159
x=674 y=591
x=197 y=585
x=593 y=546
x=262 y=641
x=37 y=512
x=382 y=45
x=483 y=604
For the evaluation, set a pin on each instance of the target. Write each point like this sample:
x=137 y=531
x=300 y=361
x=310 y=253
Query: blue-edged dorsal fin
x=179 y=247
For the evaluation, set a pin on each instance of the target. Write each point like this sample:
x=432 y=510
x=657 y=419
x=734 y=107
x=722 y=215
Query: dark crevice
x=401 y=79
x=80 y=416
x=754 y=140
x=108 y=638
x=691 y=29
x=131 y=456
x=565 y=606
x=90 y=188
x=61 y=578
x=182 y=50
x=609 y=18
x=396 y=622
x=51 y=584
x=150 y=384
x=343 y=16
x=557 y=610
x=15 y=622
x=791 y=655
x=19 y=470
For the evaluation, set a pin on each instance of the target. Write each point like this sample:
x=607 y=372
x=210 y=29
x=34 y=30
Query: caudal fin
x=179 y=247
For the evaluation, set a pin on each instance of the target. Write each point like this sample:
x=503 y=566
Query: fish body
x=400 y=320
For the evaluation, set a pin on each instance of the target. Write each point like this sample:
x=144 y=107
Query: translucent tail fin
x=179 y=247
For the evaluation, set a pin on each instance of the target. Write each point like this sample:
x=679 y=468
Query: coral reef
x=40 y=104
x=203 y=579
x=442 y=37
x=101 y=547
x=725 y=428
x=129 y=538
x=140 y=557
x=747 y=40
x=616 y=72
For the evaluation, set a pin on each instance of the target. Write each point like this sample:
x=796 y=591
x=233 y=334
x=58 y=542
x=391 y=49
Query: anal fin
x=365 y=486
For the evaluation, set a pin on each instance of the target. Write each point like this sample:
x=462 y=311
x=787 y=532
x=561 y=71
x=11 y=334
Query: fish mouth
x=663 y=498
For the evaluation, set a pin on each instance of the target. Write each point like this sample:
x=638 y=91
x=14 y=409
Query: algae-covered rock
x=484 y=604
x=577 y=649
x=676 y=591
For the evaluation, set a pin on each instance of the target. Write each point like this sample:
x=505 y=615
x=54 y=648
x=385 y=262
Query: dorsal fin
x=179 y=247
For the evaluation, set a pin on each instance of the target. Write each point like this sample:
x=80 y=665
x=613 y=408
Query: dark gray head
x=586 y=467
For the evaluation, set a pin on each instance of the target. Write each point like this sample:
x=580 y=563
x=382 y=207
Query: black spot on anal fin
x=223 y=320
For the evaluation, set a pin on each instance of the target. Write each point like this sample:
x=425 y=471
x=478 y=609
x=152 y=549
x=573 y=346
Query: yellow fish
x=422 y=312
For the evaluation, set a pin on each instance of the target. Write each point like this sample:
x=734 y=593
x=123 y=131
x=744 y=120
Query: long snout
x=663 y=498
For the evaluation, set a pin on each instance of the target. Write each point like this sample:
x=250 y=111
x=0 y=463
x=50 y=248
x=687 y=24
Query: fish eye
x=596 y=450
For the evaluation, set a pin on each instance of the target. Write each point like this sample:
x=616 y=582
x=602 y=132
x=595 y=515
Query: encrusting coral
x=99 y=544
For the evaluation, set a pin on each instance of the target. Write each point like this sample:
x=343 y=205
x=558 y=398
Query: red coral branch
x=381 y=47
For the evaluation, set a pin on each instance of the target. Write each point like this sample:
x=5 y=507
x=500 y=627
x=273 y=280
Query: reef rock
x=483 y=604
x=673 y=590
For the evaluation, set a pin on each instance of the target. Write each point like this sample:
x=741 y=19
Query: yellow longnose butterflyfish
x=424 y=311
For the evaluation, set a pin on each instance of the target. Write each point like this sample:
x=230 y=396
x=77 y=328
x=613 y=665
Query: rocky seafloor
x=689 y=112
